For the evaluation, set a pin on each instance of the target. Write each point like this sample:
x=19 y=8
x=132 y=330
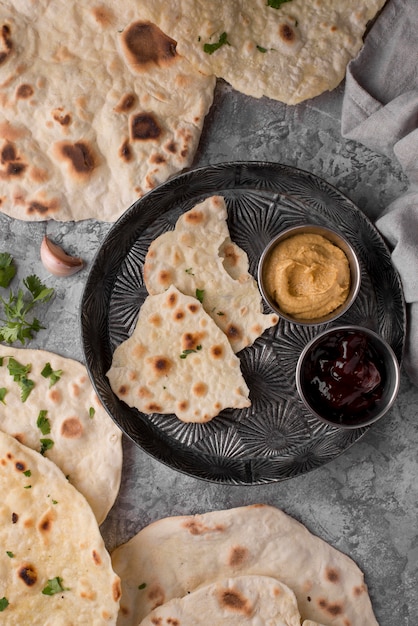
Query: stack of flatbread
x=62 y=417
x=99 y=103
x=250 y=565
x=60 y=471
x=204 y=306
x=54 y=567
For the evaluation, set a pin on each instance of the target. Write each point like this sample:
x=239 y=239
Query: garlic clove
x=58 y=262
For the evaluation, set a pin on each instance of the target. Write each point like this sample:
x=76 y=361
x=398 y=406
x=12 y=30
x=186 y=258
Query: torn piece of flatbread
x=55 y=569
x=96 y=108
x=176 y=555
x=289 y=50
x=64 y=419
x=177 y=361
x=198 y=256
x=240 y=601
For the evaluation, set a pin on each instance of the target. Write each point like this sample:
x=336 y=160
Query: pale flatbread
x=176 y=555
x=241 y=601
x=86 y=442
x=290 y=53
x=48 y=532
x=177 y=361
x=199 y=255
x=96 y=108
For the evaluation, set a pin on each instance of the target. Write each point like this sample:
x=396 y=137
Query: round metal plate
x=275 y=439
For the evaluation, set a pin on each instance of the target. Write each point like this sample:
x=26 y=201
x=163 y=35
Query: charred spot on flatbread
x=24 y=92
x=333 y=609
x=45 y=209
x=62 y=117
x=28 y=574
x=6 y=43
x=286 y=33
x=102 y=15
x=160 y=365
x=144 y=127
x=78 y=156
x=145 y=45
x=46 y=522
x=126 y=103
x=72 y=428
x=233 y=600
x=13 y=165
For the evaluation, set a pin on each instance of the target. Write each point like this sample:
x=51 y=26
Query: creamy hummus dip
x=308 y=276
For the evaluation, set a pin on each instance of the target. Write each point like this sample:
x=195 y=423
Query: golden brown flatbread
x=54 y=567
x=177 y=361
x=63 y=417
x=198 y=256
x=176 y=555
x=288 y=50
x=96 y=108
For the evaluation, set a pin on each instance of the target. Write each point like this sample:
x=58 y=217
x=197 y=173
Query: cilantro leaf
x=7 y=269
x=53 y=375
x=199 y=294
x=39 y=291
x=276 y=4
x=46 y=444
x=18 y=372
x=53 y=586
x=185 y=353
x=210 y=48
x=4 y=603
x=3 y=392
x=43 y=423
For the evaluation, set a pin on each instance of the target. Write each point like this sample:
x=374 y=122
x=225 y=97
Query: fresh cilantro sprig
x=16 y=324
x=7 y=269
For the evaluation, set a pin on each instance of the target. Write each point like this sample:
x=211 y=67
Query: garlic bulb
x=58 y=262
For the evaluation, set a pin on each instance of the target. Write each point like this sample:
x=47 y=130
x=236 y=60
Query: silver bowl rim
x=335 y=237
x=385 y=347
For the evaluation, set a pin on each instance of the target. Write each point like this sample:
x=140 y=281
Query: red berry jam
x=344 y=376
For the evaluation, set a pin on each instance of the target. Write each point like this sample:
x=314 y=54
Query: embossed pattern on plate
x=274 y=439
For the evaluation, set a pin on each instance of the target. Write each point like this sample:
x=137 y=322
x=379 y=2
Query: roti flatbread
x=289 y=51
x=245 y=600
x=177 y=361
x=198 y=256
x=177 y=555
x=64 y=419
x=96 y=108
x=54 y=567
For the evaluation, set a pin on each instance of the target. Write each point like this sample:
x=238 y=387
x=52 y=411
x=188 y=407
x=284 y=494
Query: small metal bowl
x=336 y=382
x=335 y=238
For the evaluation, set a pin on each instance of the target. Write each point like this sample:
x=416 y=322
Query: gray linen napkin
x=380 y=110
